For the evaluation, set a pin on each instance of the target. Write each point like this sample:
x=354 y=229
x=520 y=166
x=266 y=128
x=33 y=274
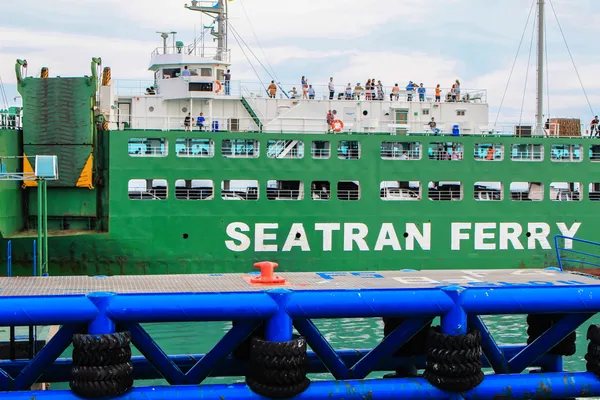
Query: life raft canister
x=337 y=125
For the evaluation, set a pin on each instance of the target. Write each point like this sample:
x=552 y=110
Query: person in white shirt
x=311 y=92
x=331 y=89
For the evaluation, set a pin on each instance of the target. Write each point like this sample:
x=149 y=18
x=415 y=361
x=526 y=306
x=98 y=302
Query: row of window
x=351 y=149
x=203 y=189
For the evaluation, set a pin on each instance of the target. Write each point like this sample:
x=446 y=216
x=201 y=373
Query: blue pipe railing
x=279 y=310
x=570 y=250
x=9 y=258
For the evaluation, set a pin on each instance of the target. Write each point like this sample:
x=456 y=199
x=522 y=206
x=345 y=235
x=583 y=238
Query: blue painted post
x=279 y=326
x=454 y=323
x=9 y=258
x=102 y=324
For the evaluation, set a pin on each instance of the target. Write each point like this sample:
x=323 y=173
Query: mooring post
x=455 y=321
x=279 y=326
x=102 y=324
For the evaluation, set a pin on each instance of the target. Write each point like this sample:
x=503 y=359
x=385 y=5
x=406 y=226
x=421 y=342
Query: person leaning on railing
x=594 y=127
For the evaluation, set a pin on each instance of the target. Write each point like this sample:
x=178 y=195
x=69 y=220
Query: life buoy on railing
x=219 y=86
x=337 y=125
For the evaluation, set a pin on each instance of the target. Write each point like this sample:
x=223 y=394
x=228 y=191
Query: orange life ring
x=337 y=125
x=219 y=87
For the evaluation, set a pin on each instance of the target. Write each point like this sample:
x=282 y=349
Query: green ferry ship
x=192 y=172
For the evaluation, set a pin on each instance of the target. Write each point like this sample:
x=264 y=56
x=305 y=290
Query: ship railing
x=320 y=153
x=284 y=194
x=198 y=193
x=318 y=124
x=143 y=150
x=321 y=92
x=352 y=194
x=216 y=53
x=449 y=155
x=445 y=194
x=576 y=253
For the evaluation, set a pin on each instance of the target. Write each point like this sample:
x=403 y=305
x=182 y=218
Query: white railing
x=445 y=194
x=142 y=150
x=284 y=194
x=321 y=92
x=352 y=194
x=148 y=121
x=216 y=53
x=320 y=153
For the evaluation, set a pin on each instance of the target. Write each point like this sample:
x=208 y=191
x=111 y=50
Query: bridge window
x=566 y=152
x=348 y=190
x=285 y=148
x=147 y=189
x=321 y=149
x=526 y=191
x=488 y=191
x=400 y=190
x=595 y=153
x=148 y=147
x=240 y=148
x=189 y=147
x=194 y=189
x=527 y=152
x=565 y=191
x=445 y=191
x=594 y=191
x=285 y=190
x=489 y=152
x=349 y=149
x=320 y=190
x=400 y=150
x=445 y=151
x=239 y=190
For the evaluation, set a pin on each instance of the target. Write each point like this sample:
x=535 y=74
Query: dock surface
x=297 y=281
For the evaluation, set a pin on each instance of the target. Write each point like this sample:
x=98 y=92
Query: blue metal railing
x=570 y=250
x=9 y=258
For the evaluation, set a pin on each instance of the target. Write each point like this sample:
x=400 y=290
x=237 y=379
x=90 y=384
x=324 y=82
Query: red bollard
x=266 y=274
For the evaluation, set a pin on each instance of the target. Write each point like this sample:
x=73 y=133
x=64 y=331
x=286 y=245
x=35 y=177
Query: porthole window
x=184 y=110
x=151 y=109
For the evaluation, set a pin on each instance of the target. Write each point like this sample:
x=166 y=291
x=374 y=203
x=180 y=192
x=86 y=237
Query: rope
x=3 y=93
x=257 y=41
x=514 y=63
x=547 y=71
x=528 y=65
x=235 y=36
x=571 y=56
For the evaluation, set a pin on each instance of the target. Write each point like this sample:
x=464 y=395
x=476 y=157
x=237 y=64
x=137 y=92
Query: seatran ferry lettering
x=357 y=236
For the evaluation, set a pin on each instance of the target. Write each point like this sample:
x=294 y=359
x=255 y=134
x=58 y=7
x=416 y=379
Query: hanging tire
x=110 y=341
x=100 y=358
x=98 y=389
x=104 y=373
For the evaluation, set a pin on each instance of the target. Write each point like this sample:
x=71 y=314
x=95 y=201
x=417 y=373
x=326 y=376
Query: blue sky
x=431 y=41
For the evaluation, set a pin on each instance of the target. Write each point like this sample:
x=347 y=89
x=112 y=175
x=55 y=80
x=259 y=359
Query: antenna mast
x=539 y=129
x=219 y=13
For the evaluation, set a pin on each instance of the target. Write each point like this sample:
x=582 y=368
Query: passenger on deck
x=438 y=93
x=349 y=91
x=304 y=84
x=185 y=72
x=594 y=131
x=379 y=91
x=227 y=77
x=358 y=91
x=395 y=95
x=433 y=125
x=330 y=118
x=453 y=93
x=293 y=93
x=457 y=90
x=200 y=122
x=187 y=122
x=490 y=154
x=368 y=90
x=272 y=89
x=404 y=156
x=410 y=90
x=456 y=154
x=331 y=87
x=311 y=92
x=421 y=90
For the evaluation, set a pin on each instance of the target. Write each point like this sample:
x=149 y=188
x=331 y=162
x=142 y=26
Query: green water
x=359 y=333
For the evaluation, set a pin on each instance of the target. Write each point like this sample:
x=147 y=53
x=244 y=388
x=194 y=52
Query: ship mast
x=218 y=12
x=540 y=71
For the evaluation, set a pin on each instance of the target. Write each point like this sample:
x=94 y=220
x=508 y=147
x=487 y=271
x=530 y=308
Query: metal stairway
x=252 y=114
